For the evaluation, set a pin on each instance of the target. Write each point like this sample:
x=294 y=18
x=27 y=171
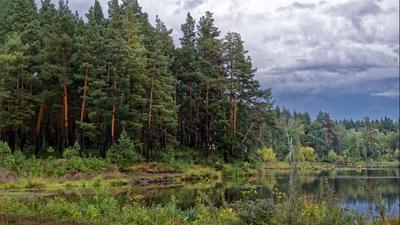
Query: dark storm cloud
x=351 y=60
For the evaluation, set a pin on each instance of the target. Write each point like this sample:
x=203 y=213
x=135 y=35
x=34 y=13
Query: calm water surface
x=353 y=190
x=358 y=190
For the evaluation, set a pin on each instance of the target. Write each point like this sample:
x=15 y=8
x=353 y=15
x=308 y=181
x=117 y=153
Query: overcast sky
x=339 y=56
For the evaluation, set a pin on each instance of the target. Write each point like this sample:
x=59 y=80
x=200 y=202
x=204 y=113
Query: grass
x=105 y=209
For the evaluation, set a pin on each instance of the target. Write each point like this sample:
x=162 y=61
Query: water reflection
x=355 y=190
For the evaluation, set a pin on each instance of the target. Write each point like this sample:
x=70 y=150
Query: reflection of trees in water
x=352 y=189
x=293 y=192
x=292 y=182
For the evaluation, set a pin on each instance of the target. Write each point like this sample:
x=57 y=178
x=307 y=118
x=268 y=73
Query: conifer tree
x=15 y=97
x=186 y=68
x=89 y=58
x=209 y=48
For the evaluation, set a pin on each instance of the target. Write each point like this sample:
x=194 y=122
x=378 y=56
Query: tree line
x=337 y=140
x=65 y=80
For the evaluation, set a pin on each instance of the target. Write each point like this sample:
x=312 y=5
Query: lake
x=358 y=190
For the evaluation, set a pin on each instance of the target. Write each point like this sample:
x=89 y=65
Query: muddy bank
x=7 y=177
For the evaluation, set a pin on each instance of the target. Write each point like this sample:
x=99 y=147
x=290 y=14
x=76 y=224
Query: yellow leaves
x=267 y=155
x=305 y=154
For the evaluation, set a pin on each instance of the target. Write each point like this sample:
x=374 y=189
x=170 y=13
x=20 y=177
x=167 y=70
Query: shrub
x=233 y=170
x=4 y=148
x=72 y=151
x=13 y=162
x=305 y=154
x=256 y=212
x=332 y=156
x=267 y=155
x=124 y=152
x=78 y=164
x=178 y=153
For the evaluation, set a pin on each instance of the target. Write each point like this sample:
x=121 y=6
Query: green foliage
x=105 y=209
x=391 y=156
x=13 y=162
x=331 y=157
x=4 y=148
x=124 y=153
x=179 y=153
x=72 y=151
x=60 y=167
x=256 y=212
x=305 y=154
x=267 y=155
x=237 y=170
x=32 y=167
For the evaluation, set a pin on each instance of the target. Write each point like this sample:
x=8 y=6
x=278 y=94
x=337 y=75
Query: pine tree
x=16 y=100
x=245 y=95
x=136 y=64
x=186 y=68
x=209 y=48
x=161 y=106
x=47 y=91
x=20 y=30
x=91 y=63
x=117 y=78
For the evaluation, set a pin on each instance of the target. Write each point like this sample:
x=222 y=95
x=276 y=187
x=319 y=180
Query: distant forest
x=66 y=81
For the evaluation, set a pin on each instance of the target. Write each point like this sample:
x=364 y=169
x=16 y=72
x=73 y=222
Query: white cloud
x=390 y=93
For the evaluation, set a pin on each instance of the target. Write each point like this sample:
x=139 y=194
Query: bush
x=78 y=164
x=178 y=153
x=256 y=212
x=124 y=153
x=32 y=167
x=305 y=154
x=72 y=151
x=332 y=156
x=233 y=170
x=13 y=162
x=267 y=155
x=4 y=148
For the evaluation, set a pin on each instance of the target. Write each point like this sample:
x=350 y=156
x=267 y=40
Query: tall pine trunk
x=190 y=133
x=113 y=117
x=39 y=126
x=65 y=99
x=206 y=125
x=234 y=114
x=84 y=95
x=85 y=87
x=150 y=113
